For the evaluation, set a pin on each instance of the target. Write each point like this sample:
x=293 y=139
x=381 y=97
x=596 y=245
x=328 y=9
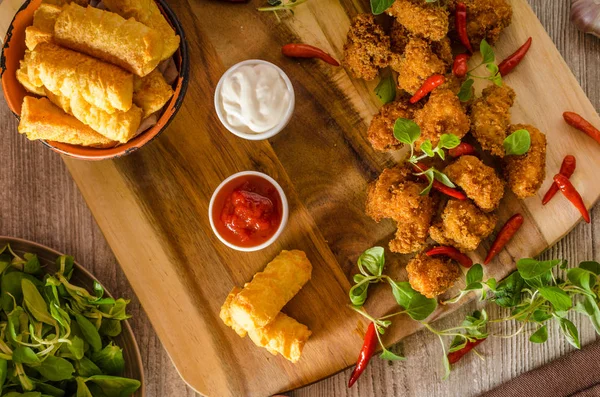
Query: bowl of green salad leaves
x=61 y=333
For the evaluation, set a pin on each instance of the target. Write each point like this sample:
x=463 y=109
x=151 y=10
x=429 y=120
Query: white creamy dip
x=254 y=98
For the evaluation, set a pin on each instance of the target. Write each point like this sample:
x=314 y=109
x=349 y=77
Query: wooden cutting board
x=152 y=205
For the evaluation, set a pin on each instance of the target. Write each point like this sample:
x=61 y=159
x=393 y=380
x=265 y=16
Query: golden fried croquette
x=427 y=20
x=396 y=195
x=399 y=37
x=418 y=62
x=480 y=182
x=490 y=118
x=367 y=48
x=442 y=114
x=381 y=130
x=432 y=276
x=525 y=174
x=462 y=225
x=486 y=19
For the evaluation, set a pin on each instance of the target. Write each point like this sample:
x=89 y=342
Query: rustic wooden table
x=40 y=202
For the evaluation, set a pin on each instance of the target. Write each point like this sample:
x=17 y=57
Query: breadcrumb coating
x=420 y=18
x=462 y=225
x=367 y=48
x=399 y=37
x=397 y=196
x=479 y=181
x=486 y=19
x=432 y=276
x=381 y=130
x=442 y=114
x=490 y=118
x=526 y=173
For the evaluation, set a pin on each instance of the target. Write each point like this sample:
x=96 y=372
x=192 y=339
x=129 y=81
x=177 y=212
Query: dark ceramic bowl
x=133 y=360
x=14 y=50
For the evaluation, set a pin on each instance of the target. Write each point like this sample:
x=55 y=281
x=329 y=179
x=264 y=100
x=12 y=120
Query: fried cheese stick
x=151 y=92
x=40 y=119
x=23 y=78
x=263 y=298
x=43 y=25
x=147 y=12
x=108 y=36
x=69 y=73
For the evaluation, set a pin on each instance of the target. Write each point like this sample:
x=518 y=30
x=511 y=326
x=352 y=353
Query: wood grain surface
x=40 y=202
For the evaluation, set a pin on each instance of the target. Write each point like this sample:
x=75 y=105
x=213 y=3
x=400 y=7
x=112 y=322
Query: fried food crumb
x=526 y=173
x=381 y=130
x=486 y=19
x=479 y=181
x=462 y=225
x=422 y=19
x=399 y=37
x=442 y=114
x=432 y=276
x=397 y=196
x=367 y=48
x=490 y=118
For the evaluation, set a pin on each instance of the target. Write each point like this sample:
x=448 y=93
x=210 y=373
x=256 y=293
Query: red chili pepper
x=460 y=67
x=365 y=354
x=429 y=85
x=506 y=66
x=454 y=357
x=582 y=125
x=462 y=149
x=506 y=233
x=307 y=51
x=451 y=252
x=567 y=188
x=461 y=25
x=567 y=168
x=439 y=186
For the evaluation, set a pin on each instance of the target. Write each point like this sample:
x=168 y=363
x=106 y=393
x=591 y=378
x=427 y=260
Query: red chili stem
x=452 y=253
x=369 y=346
x=298 y=50
x=462 y=149
x=506 y=233
x=569 y=191
x=567 y=168
x=506 y=66
x=454 y=357
x=429 y=85
x=582 y=125
x=460 y=66
x=461 y=26
x=439 y=186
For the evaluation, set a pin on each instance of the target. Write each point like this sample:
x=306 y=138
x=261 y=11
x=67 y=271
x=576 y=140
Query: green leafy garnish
x=489 y=60
x=517 y=143
x=386 y=89
x=281 y=5
x=379 y=6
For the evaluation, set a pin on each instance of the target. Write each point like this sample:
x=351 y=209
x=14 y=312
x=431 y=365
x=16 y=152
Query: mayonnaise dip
x=255 y=98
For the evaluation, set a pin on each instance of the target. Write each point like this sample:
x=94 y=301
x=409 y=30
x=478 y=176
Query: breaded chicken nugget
x=480 y=182
x=381 y=130
x=486 y=19
x=397 y=196
x=490 y=118
x=432 y=276
x=525 y=174
x=417 y=64
x=462 y=225
x=442 y=114
x=367 y=48
x=420 y=18
x=399 y=37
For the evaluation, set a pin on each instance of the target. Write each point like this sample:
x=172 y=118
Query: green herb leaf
x=76 y=347
x=427 y=148
x=540 y=281
x=530 y=268
x=82 y=389
x=443 y=178
x=475 y=274
x=570 y=332
x=87 y=368
x=590 y=308
x=32 y=264
x=517 y=143
x=582 y=278
x=373 y=260
x=540 y=316
x=486 y=52
x=110 y=359
x=386 y=89
x=25 y=355
x=448 y=141
x=114 y=386
x=388 y=355
x=539 y=336
x=11 y=285
x=358 y=294
x=56 y=369
x=89 y=331
x=591 y=266
x=406 y=131
x=379 y=6
x=508 y=291
x=35 y=303
x=559 y=299
x=466 y=90
x=49 y=390
x=417 y=306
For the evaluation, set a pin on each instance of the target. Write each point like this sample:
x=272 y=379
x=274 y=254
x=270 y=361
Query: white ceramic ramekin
x=284 y=211
x=262 y=135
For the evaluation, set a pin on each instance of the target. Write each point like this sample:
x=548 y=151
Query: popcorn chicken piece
x=381 y=129
x=432 y=276
x=526 y=173
x=367 y=48
x=427 y=20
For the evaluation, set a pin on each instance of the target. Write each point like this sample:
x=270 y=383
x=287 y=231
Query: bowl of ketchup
x=248 y=211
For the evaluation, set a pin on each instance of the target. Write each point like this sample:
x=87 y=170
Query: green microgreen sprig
x=281 y=5
x=386 y=89
x=489 y=61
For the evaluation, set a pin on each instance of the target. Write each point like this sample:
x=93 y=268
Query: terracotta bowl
x=14 y=50
x=131 y=352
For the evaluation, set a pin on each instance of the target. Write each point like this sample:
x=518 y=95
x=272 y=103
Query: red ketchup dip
x=247 y=211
